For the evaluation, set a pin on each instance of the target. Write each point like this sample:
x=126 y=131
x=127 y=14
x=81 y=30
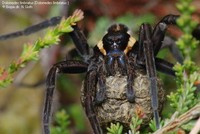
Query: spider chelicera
x=118 y=54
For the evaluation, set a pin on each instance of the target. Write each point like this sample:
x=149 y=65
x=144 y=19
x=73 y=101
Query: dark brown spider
x=117 y=56
x=120 y=72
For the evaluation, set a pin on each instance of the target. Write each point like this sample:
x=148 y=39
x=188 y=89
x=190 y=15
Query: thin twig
x=184 y=118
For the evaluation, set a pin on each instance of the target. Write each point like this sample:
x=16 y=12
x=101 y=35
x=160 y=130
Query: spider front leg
x=32 y=29
x=101 y=94
x=160 y=40
x=80 y=42
x=147 y=47
x=130 y=91
x=61 y=67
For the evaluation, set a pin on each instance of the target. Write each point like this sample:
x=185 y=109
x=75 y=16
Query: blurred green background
x=21 y=107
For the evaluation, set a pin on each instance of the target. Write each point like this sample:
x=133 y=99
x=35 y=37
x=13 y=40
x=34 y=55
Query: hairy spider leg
x=80 y=42
x=160 y=40
x=150 y=68
x=160 y=30
x=155 y=39
x=89 y=87
x=164 y=66
x=130 y=90
x=32 y=29
x=82 y=48
x=170 y=43
x=161 y=65
x=140 y=55
x=61 y=67
x=101 y=94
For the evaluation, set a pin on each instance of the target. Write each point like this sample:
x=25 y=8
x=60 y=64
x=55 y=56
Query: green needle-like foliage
x=115 y=129
x=152 y=124
x=186 y=74
x=62 y=121
x=31 y=51
x=136 y=121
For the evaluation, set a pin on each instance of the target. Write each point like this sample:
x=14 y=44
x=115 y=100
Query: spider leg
x=32 y=29
x=151 y=70
x=101 y=94
x=140 y=57
x=160 y=30
x=61 y=67
x=164 y=66
x=160 y=40
x=80 y=42
x=89 y=88
x=168 y=42
x=130 y=90
x=83 y=49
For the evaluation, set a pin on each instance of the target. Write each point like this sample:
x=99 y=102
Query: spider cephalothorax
x=115 y=45
x=115 y=40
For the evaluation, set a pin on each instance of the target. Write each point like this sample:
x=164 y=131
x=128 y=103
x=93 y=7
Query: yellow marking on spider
x=100 y=46
x=131 y=43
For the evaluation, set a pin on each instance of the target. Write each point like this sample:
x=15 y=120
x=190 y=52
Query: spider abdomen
x=116 y=107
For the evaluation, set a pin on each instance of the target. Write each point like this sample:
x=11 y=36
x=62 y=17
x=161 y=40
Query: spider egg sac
x=116 y=107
